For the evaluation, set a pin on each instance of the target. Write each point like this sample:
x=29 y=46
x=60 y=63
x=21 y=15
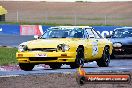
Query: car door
x=92 y=45
x=100 y=42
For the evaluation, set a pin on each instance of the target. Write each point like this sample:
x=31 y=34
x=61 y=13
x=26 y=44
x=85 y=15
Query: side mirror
x=36 y=37
x=108 y=36
x=91 y=36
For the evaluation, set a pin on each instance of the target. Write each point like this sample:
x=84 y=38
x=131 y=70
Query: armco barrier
x=9 y=29
x=39 y=29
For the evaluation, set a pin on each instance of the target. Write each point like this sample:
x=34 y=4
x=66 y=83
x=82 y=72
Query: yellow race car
x=71 y=45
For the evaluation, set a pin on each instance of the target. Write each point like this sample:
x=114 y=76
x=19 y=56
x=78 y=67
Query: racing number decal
x=94 y=48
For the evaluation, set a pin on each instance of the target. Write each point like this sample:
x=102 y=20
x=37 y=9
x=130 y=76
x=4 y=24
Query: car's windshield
x=63 y=33
x=122 y=33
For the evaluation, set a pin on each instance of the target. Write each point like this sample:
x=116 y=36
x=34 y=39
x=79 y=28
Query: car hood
x=48 y=43
x=124 y=41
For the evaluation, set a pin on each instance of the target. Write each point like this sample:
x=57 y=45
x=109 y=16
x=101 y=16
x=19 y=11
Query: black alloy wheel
x=105 y=59
x=112 y=56
x=79 y=59
x=26 y=66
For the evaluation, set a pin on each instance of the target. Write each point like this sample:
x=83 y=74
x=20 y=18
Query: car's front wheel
x=112 y=56
x=26 y=67
x=79 y=59
x=105 y=59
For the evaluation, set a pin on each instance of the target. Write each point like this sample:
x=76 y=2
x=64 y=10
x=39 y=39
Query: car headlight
x=117 y=45
x=63 y=47
x=22 y=48
x=66 y=47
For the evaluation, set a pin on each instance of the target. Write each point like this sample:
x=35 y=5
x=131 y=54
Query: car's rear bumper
x=45 y=57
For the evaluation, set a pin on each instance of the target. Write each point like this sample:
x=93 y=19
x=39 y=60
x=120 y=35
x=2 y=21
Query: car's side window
x=89 y=33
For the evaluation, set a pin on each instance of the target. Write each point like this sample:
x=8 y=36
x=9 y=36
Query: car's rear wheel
x=55 y=66
x=26 y=67
x=105 y=59
x=79 y=59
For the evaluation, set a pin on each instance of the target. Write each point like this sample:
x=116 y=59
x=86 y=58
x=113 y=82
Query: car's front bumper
x=45 y=57
x=123 y=51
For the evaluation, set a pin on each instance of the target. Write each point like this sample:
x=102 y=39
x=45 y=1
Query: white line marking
x=9 y=76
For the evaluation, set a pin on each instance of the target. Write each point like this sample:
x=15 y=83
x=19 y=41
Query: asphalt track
x=118 y=65
x=13 y=40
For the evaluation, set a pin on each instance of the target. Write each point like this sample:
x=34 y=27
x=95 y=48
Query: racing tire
x=55 y=66
x=112 y=56
x=79 y=59
x=26 y=67
x=105 y=59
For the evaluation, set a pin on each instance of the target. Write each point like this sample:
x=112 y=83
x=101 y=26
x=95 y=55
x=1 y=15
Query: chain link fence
x=73 y=19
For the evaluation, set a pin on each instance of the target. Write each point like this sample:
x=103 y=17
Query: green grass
x=60 y=18
x=53 y=24
x=57 y=24
x=33 y=23
x=8 y=56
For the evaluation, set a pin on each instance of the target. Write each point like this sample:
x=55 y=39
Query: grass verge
x=8 y=56
x=54 y=24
